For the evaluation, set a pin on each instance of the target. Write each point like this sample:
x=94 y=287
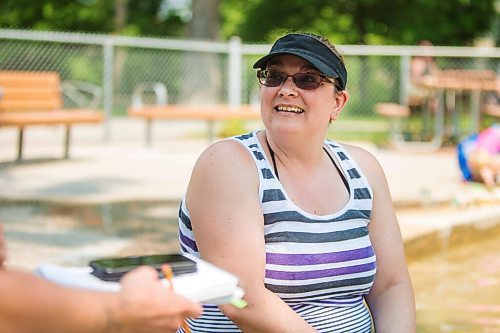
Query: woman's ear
x=334 y=115
x=340 y=101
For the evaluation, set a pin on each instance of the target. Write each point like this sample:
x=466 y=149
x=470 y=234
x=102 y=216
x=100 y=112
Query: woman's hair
x=327 y=43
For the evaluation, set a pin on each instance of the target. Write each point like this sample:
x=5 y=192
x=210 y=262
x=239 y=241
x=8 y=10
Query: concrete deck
x=426 y=187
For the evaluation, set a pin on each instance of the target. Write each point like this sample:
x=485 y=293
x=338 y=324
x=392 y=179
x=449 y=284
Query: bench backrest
x=30 y=91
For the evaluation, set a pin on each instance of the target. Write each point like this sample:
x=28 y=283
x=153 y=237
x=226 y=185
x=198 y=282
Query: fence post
x=108 y=86
x=404 y=79
x=235 y=68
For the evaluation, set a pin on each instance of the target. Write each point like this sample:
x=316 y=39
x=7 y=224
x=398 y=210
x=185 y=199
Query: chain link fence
x=200 y=72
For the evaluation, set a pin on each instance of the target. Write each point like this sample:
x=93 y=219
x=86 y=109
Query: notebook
x=209 y=284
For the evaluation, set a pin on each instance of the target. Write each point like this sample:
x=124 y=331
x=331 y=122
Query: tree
x=202 y=74
x=205 y=22
x=451 y=22
x=137 y=17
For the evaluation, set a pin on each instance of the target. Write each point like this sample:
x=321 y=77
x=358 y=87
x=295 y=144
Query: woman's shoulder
x=225 y=154
x=222 y=167
x=365 y=158
x=358 y=152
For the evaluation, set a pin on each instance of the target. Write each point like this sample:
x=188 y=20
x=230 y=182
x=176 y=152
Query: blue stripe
x=258 y=155
x=286 y=216
x=353 y=173
x=267 y=173
x=244 y=136
x=362 y=193
x=282 y=289
x=272 y=195
x=342 y=156
x=185 y=219
x=306 y=237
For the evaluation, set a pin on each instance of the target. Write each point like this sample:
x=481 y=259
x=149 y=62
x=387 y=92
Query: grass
x=369 y=129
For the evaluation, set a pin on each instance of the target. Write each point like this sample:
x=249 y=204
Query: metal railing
x=202 y=72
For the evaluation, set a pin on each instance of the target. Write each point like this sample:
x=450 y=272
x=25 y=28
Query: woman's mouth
x=292 y=109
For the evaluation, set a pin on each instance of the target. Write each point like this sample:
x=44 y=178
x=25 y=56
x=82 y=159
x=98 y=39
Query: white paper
x=209 y=284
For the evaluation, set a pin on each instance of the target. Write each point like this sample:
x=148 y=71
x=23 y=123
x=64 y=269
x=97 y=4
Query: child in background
x=479 y=157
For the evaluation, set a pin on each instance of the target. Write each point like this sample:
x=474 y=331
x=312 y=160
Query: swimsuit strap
x=273 y=158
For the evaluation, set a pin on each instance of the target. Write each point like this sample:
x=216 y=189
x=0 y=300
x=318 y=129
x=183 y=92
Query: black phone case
x=112 y=269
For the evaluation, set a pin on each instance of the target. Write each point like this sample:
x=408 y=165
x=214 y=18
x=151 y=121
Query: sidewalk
x=123 y=169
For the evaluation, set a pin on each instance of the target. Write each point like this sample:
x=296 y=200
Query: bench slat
x=34 y=104
x=208 y=113
x=29 y=80
x=189 y=112
x=64 y=117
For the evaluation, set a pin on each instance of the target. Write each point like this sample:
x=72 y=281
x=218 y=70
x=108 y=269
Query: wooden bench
x=162 y=110
x=208 y=113
x=29 y=98
x=392 y=110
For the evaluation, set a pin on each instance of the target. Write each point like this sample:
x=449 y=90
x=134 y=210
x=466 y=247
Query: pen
x=169 y=276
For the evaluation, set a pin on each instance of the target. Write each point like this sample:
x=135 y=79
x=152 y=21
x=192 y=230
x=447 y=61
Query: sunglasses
x=306 y=81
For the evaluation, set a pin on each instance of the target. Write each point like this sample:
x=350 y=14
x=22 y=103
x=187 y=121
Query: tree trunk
x=203 y=72
x=120 y=54
x=205 y=22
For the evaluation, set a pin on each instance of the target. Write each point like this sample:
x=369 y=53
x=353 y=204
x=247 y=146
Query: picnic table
x=447 y=85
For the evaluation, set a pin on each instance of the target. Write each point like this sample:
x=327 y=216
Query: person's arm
x=391 y=299
x=227 y=221
x=30 y=304
x=3 y=248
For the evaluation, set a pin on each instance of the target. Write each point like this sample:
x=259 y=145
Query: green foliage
x=232 y=128
x=449 y=22
x=143 y=17
x=91 y=16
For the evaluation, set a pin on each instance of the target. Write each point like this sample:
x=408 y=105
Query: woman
x=298 y=218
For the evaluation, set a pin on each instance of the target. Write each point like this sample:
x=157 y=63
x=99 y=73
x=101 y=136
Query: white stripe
x=315 y=248
x=324 y=227
x=302 y=268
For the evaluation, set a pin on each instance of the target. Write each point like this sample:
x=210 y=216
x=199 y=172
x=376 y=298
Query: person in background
x=479 y=157
x=30 y=304
x=420 y=67
x=420 y=100
x=306 y=223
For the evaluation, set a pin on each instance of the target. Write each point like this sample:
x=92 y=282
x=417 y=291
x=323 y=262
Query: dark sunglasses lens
x=307 y=81
x=272 y=78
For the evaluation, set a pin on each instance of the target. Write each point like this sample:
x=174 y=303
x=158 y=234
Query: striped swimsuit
x=321 y=266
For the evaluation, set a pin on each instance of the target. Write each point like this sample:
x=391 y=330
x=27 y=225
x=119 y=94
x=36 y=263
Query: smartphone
x=112 y=269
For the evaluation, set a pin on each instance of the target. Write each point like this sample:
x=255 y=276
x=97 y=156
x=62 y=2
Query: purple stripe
x=188 y=241
x=304 y=275
x=319 y=258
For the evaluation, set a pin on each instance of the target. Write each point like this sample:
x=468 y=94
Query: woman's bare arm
x=223 y=202
x=391 y=299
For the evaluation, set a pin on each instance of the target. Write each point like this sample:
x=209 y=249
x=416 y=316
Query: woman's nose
x=288 y=88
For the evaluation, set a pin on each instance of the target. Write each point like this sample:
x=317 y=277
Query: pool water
x=457 y=288
x=456 y=274
x=76 y=234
